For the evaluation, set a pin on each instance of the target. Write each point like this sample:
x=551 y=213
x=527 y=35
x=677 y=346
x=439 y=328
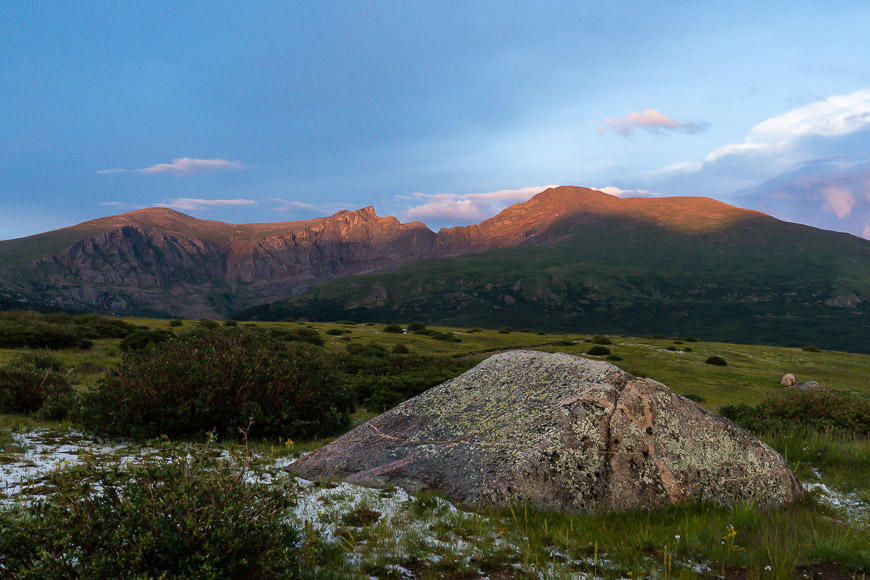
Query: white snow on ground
x=847 y=503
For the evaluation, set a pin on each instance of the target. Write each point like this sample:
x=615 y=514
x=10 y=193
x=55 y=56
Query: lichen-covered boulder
x=787 y=380
x=560 y=432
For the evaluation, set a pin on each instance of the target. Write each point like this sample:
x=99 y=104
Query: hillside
x=742 y=277
x=570 y=258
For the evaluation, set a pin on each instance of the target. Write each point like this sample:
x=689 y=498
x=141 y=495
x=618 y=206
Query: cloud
x=286 y=205
x=831 y=117
x=838 y=201
x=617 y=192
x=469 y=207
x=184 y=166
x=190 y=204
x=649 y=120
x=831 y=193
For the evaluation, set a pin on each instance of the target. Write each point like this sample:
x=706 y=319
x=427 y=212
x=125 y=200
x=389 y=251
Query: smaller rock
x=808 y=386
x=787 y=380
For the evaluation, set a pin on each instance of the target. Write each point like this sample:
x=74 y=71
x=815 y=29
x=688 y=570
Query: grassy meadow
x=340 y=531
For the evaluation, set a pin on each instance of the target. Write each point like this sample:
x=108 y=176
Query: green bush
x=346 y=322
x=217 y=379
x=393 y=328
x=599 y=339
x=93 y=326
x=691 y=339
x=506 y=330
x=230 y=323
x=181 y=515
x=29 y=330
x=672 y=348
x=416 y=326
x=811 y=348
x=289 y=320
x=306 y=335
x=36 y=383
x=176 y=323
x=335 y=332
x=446 y=336
x=598 y=350
x=717 y=361
x=380 y=383
x=400 y=349
x=207 y=324
x=426 y=331
x=614 y=357
x=816 y=410
x=369 y=349
x=140 y=339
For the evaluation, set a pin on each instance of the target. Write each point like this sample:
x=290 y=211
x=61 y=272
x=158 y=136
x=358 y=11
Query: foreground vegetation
x=182 y=508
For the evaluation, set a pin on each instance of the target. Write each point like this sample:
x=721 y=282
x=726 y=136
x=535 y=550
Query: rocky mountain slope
x=569 y=257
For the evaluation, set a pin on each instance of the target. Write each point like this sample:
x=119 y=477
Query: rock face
x=560 y=432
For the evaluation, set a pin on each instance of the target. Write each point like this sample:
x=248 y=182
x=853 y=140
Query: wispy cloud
x=184 y=166
x=468 y=207
x=649 y=120
x=191 y=204
x=618 y=192
x=831 y=117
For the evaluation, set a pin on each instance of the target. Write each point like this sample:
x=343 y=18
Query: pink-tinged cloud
x=184 y=166
x=190 y=204
x=838 y=201
x=649 y=120
x=469 y=207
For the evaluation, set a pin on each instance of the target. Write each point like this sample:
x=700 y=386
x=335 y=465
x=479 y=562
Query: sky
x=444 y=112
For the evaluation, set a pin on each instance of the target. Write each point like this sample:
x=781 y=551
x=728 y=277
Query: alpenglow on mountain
x=569 y=258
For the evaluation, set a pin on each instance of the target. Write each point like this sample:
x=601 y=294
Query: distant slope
x=741 y=277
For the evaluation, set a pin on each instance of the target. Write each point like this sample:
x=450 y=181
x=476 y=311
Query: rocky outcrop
x=808 y=387
x=787 y=380
x=560 y=432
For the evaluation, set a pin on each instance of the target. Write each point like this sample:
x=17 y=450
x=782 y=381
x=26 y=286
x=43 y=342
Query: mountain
x=576 y=259
x=570 y=258
x=160 y=261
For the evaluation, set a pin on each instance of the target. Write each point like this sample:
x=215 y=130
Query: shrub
x=717 y=361
x=563 y=342
x=816 y=410
x=218 y=379
x=176 y=323
x=307 y=335
x=140 y=339
x=208 y=324
x=446 y=336
x=400 y=349
x=811 y=348
x=598 y=339
x=346 y=322
x=672 y=348
x=658 y=336
x=598 y=350
x=369 y=349
x=416 y=326
x=335 y=332
x=94 y=326
x=36 y=383
x=380 y=383
x=426 y=331
x=289 y=320
x=506 y=330
x=393 y=328
x=24 y=332
x=691 y=339
x=181 y=515
x=687 y=349
x=230 y=323
x=614 y=357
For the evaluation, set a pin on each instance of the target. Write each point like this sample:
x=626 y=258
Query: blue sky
x=444 y=112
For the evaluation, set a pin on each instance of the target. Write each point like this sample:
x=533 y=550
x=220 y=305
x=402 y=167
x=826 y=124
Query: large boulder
x=560 y=432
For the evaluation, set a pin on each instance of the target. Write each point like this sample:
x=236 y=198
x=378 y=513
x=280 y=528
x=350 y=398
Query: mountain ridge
x=160 y=261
